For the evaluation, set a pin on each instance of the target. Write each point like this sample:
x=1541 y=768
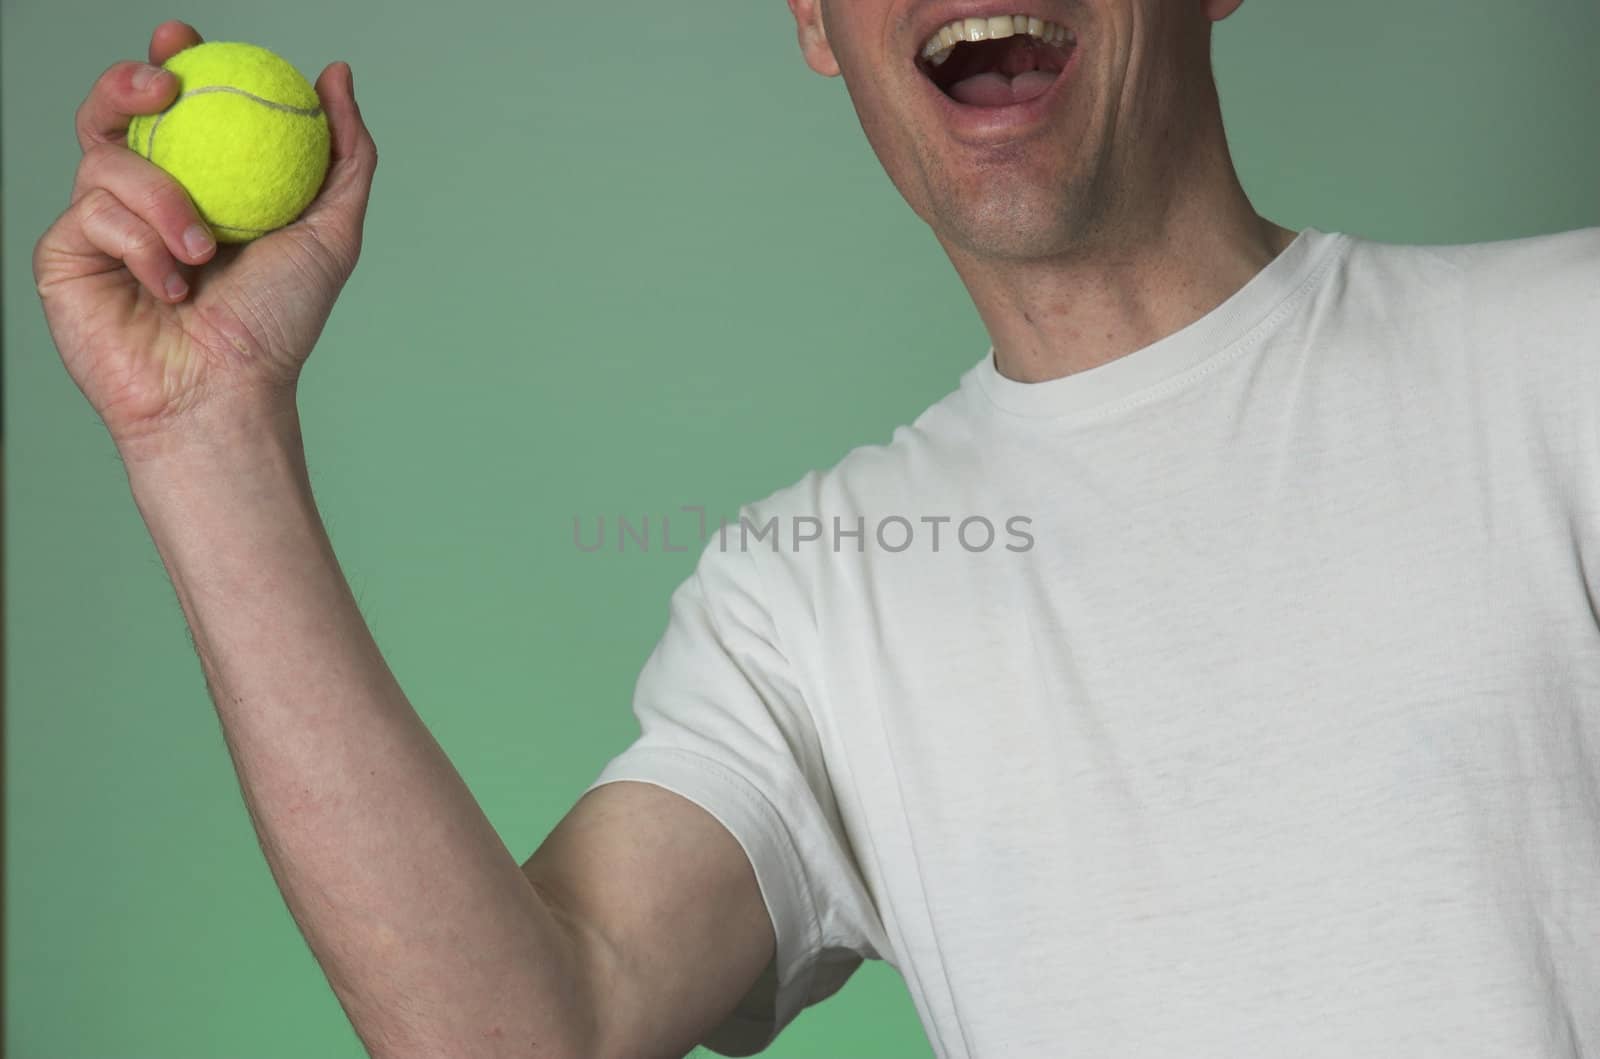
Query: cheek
x=889 y=116
x=881 y=103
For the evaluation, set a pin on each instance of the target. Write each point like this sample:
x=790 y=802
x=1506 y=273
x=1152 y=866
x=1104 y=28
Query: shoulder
x=789 y=546
x=1539 y=295
x=1526 y=308
x=920 y=458
x=1540 y=260
x=1531 y=282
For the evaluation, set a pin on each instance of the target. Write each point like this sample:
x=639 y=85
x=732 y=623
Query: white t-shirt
x=1263 y=719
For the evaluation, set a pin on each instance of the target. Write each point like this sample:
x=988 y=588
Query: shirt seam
x=1327 y=255
x=764 y=804
x=913 y=975
x=768 y=817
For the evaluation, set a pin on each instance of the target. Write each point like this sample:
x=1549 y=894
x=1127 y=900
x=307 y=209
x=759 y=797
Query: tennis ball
x=246 y=137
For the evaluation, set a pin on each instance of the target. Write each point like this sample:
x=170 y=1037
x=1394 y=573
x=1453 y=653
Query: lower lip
x=990 y=125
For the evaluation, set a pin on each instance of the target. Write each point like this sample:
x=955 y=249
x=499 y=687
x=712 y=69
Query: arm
x=668 y=912
x=427 y=931
x=632 y=930
x=433 y=939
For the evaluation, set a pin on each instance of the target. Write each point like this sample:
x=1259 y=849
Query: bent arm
x=427 y=929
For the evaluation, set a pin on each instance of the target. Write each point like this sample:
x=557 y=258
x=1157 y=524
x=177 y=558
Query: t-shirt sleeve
x=722 y=723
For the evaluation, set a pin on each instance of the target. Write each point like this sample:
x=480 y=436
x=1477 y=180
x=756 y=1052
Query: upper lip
x=940 y=13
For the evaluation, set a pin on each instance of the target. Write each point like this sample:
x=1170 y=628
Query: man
x=1214 y=672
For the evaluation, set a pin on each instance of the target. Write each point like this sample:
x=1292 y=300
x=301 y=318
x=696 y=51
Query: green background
x=619 y=259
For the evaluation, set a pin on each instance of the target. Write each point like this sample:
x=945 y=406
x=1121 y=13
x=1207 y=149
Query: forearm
x=422 y=920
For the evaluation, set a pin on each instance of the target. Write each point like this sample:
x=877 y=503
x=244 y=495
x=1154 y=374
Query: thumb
x=335 y=217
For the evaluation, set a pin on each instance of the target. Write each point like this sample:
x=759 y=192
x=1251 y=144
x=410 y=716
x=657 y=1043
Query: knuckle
x=88 y=111
x=80 y=117
x=141 y=241
x=95 y=161
x=40 y=254
x=150 y=199
x=46 y=251
x=165 y=197
x=96 y=203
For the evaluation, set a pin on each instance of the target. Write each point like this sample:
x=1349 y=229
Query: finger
x=170 y=38
x=130 y=88
x=339 y=210
x=151 y=194
x=100 y=224
x=126 y=89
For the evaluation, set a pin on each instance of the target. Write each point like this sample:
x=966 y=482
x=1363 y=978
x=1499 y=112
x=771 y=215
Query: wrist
x=240 y=457
x=222 y=431
x=226 y=496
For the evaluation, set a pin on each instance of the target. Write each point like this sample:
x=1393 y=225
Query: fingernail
x=196 y=240
x=176 y=288
x=143 y=76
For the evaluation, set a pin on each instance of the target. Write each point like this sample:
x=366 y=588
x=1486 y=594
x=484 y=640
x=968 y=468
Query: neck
x=1053 y=317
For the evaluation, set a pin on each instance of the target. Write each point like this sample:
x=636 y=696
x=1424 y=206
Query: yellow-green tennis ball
x=245 y=136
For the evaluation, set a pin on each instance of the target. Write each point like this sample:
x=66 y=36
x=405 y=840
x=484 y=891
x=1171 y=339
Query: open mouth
x=996 y=62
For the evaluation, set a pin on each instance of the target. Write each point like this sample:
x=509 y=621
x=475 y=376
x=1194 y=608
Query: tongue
x=998 y=90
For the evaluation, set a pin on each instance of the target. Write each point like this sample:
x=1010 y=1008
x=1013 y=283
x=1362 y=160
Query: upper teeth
x=937 y=48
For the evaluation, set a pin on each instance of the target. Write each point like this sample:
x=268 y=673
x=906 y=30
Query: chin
x=1015 y=243
x=1015 y=223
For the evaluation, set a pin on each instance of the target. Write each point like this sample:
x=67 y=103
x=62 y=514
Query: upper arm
x=665 y=913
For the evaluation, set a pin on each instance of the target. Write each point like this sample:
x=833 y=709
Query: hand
x=153 y=328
